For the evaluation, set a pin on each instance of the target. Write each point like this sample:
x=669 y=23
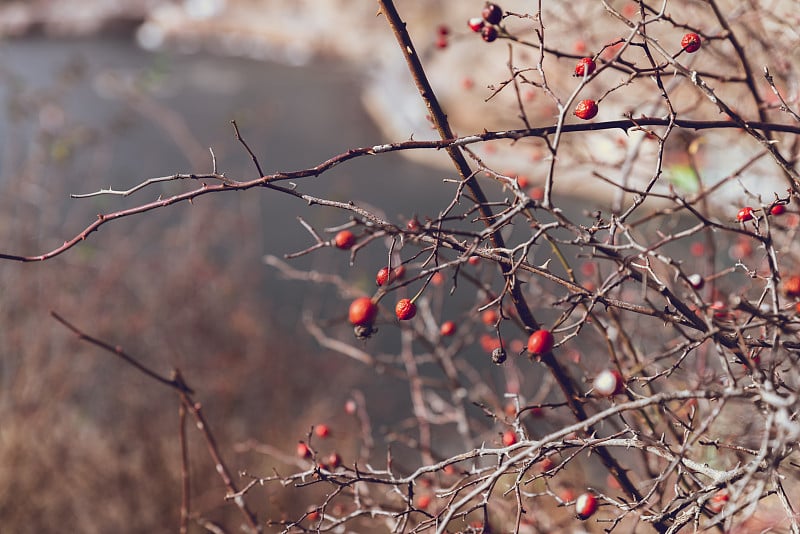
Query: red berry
x=545 y=464
x=443 y=30
x=475 y=24
x=489 y=317
x=717 y=502
x=423 y=501
x=536 y=193
x=437 y=279
x=540 y=342
x=303 y=451
x=791 y=286
x=585 y=66
x=405 y=309
x=399 y=272
x=384 y=277
x=489 y=343
x=586 y=505
x=334 y=461
x=344 y=240
x=492 y=13
x=322 y=431
x=777 y=209
x=586 y=109
x=474 y=260
x=691 y=42
x=350 y=407
x=696 y=281
x=312 y=514
x=489 y=33
x=509 y=438
x=608 y=383
x=441 y=41
x=363 y=311
x=744 y=214
x=448 y=328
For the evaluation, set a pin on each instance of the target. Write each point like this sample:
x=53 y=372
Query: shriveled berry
x=405 y=309
x=744 y=214
x=540 y=342
x=586 y=66
x=489 y=33
x=363 y=311
x=499 y=355
x=586 y=109
x=691 y=42
x=344 y=240
x=492 y=13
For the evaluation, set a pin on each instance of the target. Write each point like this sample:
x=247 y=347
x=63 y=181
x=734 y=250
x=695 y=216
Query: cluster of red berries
x=333 y=460
x=747 y=213
x=587 y=109
x=486 y=24
x=363 y=312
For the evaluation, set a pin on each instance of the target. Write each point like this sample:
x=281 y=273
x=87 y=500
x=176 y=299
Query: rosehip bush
x=670 y=286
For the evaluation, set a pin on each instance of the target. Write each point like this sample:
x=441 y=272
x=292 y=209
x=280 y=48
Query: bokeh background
x=103 y=93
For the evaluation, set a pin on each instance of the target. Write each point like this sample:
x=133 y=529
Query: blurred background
x=88 y=101
x=104 y=93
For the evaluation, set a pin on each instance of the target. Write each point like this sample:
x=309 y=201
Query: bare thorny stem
x=748 y=328
x=177 y=383
x=565 y=382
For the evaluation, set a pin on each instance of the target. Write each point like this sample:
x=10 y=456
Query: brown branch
x=177 y=383
x=565 y=381
x=269 y=181
x=117 y=351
